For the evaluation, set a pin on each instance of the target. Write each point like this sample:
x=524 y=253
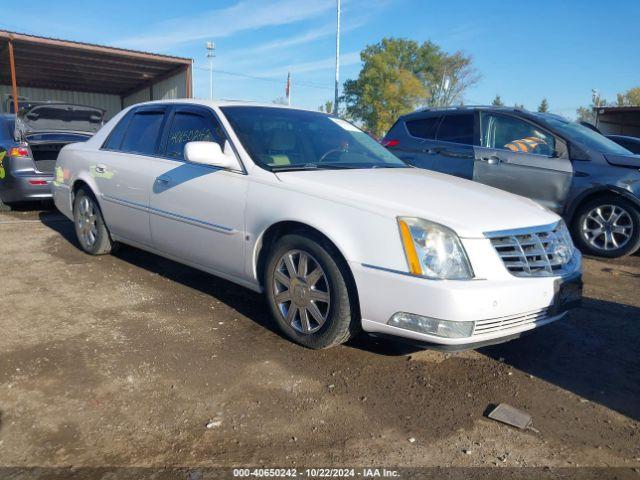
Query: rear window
x=457 y=129
x=423 y=127
x=143 y=132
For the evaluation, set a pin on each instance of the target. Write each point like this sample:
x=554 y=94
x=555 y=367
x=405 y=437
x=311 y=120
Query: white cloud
x=245 y=15
x=346 y=59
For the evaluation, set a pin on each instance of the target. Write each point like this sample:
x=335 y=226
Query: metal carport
x=619 y=120
x=47 y=69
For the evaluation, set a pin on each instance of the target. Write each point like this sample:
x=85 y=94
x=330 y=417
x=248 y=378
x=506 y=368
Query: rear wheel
x=91 y=231
x=307 y=288
x=608 y=226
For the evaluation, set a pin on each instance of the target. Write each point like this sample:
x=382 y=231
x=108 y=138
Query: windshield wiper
x=312 y=166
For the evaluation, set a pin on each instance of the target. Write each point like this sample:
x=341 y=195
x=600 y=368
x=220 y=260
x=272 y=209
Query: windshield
x=285 y=139
x=586 y=137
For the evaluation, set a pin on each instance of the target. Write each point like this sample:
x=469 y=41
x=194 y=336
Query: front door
x=520 y=157
x=197 y=211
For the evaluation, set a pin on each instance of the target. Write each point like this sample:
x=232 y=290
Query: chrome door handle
x=101 y=168
x=162 y=181
x=492 y=160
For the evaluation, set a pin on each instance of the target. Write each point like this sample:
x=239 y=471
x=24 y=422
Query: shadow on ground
x=592 y=353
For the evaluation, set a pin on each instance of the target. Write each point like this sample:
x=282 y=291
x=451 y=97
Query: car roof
x=433 y=111
x=224 y=103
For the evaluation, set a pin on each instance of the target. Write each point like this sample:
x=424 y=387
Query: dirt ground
x=124 y=360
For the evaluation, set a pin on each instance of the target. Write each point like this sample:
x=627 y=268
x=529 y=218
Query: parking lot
x=132 y=359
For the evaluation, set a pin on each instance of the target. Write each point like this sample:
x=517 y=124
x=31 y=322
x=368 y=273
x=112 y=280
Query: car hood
x=58 y=117
x=623 y=160
x=467 y=207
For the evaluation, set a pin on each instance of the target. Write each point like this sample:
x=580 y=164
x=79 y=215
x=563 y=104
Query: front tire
x=310 y=293
x=608 y=226
x=91 y=231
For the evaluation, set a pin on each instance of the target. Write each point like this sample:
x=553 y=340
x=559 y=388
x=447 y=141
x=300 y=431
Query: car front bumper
x=501 y=308
x=24 y=188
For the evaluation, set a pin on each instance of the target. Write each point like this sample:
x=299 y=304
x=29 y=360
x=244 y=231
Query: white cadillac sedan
x=339 y=234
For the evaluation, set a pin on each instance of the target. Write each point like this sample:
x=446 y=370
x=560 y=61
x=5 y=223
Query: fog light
x=431 y=326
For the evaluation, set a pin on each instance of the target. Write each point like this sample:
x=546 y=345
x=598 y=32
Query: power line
x=264 y=79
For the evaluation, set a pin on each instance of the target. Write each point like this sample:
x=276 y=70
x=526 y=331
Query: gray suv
x=593 y=182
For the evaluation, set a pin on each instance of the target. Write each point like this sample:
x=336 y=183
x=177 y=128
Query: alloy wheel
x=301 y=291
x=607 y=227
x=86 y=222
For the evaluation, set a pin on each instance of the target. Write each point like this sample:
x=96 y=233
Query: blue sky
x=524 y=51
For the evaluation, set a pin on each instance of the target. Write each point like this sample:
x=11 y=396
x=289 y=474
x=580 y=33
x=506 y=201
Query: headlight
x=433 y=250
x=562 y=244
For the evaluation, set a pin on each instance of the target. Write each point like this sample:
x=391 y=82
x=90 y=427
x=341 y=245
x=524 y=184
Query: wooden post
x=14 y=85
x=189 y=82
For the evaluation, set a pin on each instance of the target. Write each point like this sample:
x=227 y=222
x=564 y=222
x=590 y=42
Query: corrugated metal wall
x=110 y=103
x=172 y=87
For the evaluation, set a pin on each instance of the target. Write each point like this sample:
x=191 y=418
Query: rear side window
x=457 y=129
x=143 y=132
x=191 y=127
x=423 y=127
x=114 y=141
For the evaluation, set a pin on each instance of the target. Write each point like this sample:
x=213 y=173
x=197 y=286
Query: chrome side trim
x=192 y=221
x=389 y=270
x=173 y=216
x=125 y=203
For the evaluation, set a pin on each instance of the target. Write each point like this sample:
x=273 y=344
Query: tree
x=629 y=98
x=544 y=106
x=520 y=106
x=400 y=75
x=587 y=114
x=497 y=102
x=327 y=107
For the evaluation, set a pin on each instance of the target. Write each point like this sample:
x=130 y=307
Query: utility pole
x=211 y=47
x=335 y=100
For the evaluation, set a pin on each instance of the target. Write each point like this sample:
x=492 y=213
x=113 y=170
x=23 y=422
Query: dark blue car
x=593 y=182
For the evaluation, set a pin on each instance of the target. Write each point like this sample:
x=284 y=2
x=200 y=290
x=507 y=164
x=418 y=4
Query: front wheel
x=607 y=227
x=308 y=290
x=91 y=230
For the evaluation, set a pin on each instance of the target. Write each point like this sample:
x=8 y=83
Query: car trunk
x=46 y=148
x=48 y=127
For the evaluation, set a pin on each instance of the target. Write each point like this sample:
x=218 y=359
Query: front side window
x=191 y=127
x=423 y=127
x=457 y=128
x=143 y=132
x=510 y=133
x=282 y=138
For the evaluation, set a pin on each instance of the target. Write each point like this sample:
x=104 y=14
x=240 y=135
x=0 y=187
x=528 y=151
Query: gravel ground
x=133 y=360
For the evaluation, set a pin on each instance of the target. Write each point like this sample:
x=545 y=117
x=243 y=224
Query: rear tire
x=310 y=292
x=91 y=231
x=607 y=226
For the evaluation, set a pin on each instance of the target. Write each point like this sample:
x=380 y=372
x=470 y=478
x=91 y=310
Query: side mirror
x=209 y=153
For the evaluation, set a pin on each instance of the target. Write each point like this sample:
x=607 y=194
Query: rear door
x=123 y=172
x=406 y=138
x=519 y=156
x=452 y=151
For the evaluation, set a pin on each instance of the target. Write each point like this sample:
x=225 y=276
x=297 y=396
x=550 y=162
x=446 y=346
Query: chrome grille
x=535 y=252
x=505 y=323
